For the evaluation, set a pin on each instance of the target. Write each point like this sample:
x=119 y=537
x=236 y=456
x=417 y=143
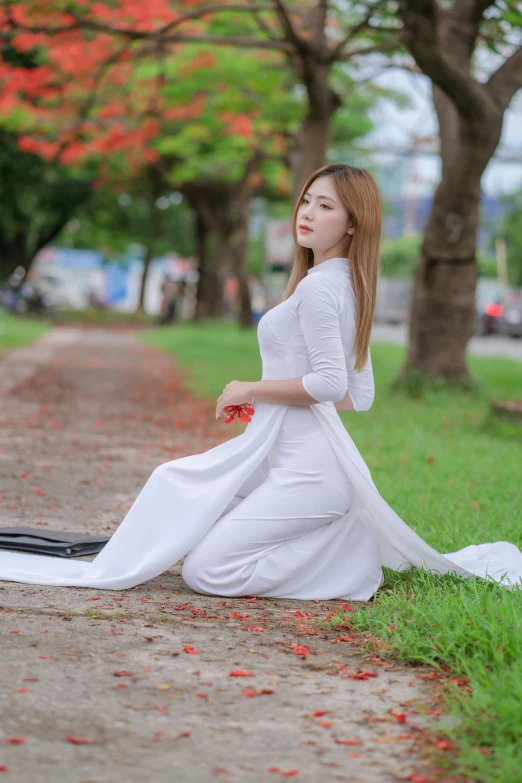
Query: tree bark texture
x=470 y=114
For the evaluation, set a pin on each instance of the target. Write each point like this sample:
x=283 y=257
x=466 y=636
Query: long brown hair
x=359 y=193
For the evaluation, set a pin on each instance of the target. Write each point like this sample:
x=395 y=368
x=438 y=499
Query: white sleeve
x=317 y=308
x=361 y=385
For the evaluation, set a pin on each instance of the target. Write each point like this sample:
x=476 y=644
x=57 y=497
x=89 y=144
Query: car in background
x=488 y=307
x=511 y=321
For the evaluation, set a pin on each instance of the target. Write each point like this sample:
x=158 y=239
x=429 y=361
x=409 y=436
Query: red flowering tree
x=217 y=127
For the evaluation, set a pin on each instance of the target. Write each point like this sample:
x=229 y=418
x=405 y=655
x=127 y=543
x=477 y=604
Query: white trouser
x=286 y=534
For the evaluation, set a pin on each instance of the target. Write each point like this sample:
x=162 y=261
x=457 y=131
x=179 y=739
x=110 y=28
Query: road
x=104 y=685
x=493 y=345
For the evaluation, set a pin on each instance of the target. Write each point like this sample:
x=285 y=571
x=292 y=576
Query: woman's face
x=326 y=217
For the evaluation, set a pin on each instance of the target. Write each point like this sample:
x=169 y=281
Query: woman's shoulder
x=322 y=285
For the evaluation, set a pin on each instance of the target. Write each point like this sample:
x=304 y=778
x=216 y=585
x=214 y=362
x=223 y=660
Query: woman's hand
x=234 y=393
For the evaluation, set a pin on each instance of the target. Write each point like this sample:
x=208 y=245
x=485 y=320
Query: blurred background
x=150 y=160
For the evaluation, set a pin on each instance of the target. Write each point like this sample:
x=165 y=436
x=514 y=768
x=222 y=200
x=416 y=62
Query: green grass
x=18 y=331
x=451 y=470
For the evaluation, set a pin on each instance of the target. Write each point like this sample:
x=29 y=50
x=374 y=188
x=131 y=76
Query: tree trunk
x=212 y=274
x=442 y=318
x=241 y=261
x=312 y=140
x=202 y=295
x=211 y=202
x=12 y=255
x=146 y=266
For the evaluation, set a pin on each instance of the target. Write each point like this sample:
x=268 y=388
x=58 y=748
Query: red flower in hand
x=243 y=412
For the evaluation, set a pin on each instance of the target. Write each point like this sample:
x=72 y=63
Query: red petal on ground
x=291 y=773
x=349 y=742
x=190 y=650
x=76 y=740
x=15 y=740
x=364 y=675
x=241 y=673
x=326 y=723
x=400 y=717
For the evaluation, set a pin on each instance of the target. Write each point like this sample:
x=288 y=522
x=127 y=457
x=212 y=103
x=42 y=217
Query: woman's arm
x=317 y=311
x=285 y=392
x=291 y=392
x=345 y=404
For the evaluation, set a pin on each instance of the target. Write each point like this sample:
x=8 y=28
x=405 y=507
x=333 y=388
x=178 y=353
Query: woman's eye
x=305 y=201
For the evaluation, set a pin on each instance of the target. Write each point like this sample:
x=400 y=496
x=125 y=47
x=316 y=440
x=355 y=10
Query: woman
x=288 y=508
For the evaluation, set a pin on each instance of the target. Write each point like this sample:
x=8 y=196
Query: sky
x=394 y=127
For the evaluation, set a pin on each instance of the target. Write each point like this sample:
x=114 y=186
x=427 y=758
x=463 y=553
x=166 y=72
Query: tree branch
x=291 y=34
x=421 y=36
x=507 y=79
x=350 y=35
x=370 y=49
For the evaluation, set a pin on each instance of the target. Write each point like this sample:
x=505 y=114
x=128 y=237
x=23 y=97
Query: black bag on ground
x=59 y=543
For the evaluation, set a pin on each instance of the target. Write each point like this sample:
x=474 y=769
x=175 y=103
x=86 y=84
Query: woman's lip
x=305 y=228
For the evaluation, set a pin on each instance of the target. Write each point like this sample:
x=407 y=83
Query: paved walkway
x=108 y=686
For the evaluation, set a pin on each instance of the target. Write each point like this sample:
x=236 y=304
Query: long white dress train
x=288 y=508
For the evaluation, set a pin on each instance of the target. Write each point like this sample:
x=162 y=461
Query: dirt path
x=108 y=686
